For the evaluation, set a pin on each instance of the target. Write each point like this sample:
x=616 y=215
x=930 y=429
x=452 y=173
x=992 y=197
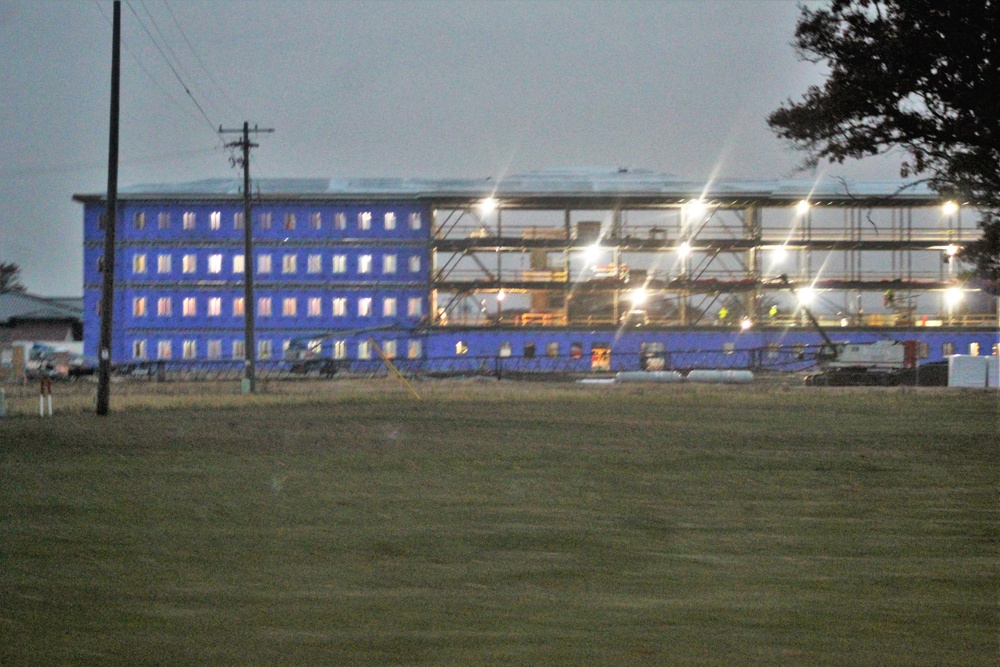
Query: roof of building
x=547 y=185
x=24 y=306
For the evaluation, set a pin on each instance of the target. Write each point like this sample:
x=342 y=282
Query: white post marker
x=45 y=391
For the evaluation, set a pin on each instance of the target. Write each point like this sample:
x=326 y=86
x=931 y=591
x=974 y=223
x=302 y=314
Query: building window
x=414 y=263
x=139 y=306
x=364 y=350
x=461 y=347
x=264 y=349
x=163 y=264
x=189 y=220
x=288 y=263
x=314 y=264
x=390 y=220
x=365 y=264
x=264 y=220
x=389 y=307
x=164 y=307
x=139 y=220
x=163 y=349
x=529 y=350
x=340 y=221
x=315 y=220
x=215 y=263
x=289 y=221
x=340 y=263
x=339 y=349
x=415 y=349
x=414 y=221
x=214 y=306
x=414 y=306
x=388 y=263
x=215 y=220
x=100 y=264
x=974 y=349
x=139 y=263
x=365 y=306
x=947 y=349
x=340 y=306
x=552 y=349
x=264 y=306
x=189 y=307
x=189 y=349
x=238 y=307
x=238 y=220
x=389 y=349
x=289 y=306
x=214 y=349
x=239 y=350
x=364 y=220
x=138 y=349
x=505 y=349
x=163 y=220
x=238 y=265
x=189 y=263
x=263 y=263
x=314 y=307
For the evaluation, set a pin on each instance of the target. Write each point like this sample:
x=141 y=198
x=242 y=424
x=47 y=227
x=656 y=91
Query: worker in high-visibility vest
x=723 y=312
x=773 y=313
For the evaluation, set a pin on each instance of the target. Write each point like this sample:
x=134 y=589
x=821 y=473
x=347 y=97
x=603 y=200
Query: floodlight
x=954 y=295
x=488 y=205
x=501 y=295
x=805 y=295
x=639 y=296
x=949 y=208
x=684 y=249
x=592 y=253
x=802 y=207
x=779 y=253
x=951 y=250
x=745 y=323
x=696 y=209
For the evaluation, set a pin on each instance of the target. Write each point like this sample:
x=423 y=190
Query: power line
x=170 y=65
x=222 y=89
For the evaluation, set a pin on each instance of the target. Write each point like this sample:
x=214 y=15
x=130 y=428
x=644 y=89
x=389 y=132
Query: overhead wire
x=173 y=69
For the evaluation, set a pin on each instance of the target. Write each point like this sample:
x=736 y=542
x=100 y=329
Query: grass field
x=501 y=524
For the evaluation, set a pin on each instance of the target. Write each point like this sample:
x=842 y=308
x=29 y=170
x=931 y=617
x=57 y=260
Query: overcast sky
x=469 y=88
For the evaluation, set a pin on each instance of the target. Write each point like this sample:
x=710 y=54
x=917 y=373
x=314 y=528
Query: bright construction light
x=802 y=207
x=951 y=250
x=639 y=297
x=954 y=295
x=501 y=295
x=949 y=208
x=684 y=249
x=696 y=209
x=806 y=295
x=745 y=323
x=488 y=205
x=780 y=253
x=592 y=253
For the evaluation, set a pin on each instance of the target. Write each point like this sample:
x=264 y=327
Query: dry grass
x=500 y=523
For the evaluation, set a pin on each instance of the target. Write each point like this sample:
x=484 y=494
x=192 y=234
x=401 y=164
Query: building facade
x=573 y=265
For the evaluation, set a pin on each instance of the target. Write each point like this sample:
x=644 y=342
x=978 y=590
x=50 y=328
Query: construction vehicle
x=304 y=353
x=880 y=363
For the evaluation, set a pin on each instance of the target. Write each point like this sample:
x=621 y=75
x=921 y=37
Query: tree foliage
x=918 y=75
x=10 y=278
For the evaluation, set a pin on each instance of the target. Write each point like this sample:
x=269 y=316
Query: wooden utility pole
x=110 y=221
x=249 y=345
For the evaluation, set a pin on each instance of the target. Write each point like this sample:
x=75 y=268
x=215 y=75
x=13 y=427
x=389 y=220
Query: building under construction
x=600 y=268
